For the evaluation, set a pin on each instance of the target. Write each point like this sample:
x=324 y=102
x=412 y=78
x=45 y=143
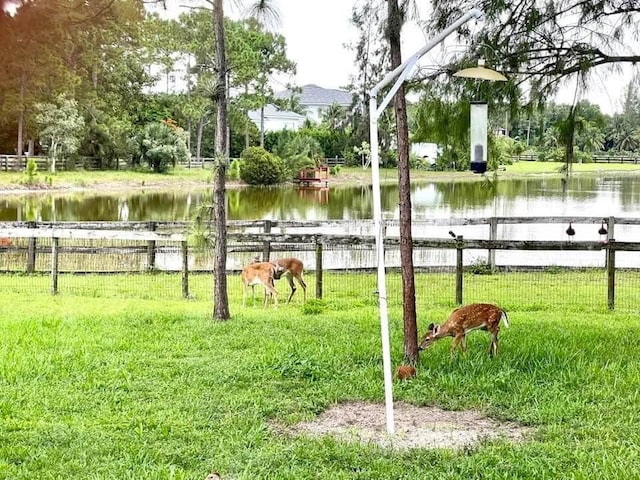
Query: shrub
x=260 y=167
x=160 y=145
x=31 y=172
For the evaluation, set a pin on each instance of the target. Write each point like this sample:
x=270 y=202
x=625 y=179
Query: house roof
x=270 y=111
x=315 y=95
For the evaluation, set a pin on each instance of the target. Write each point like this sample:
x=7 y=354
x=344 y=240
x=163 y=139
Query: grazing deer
x=483 y=316
x=289 y=268
x=260 y=273
x=5 y=242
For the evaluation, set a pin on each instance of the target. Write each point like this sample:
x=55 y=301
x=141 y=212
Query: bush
x=260 y=167
x=233 y=172
x=160 y=145
x=298 y=152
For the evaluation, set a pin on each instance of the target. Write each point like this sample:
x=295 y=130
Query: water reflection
x=604 y=195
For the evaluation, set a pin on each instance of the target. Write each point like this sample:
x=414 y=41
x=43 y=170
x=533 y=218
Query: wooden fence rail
x=269 y=241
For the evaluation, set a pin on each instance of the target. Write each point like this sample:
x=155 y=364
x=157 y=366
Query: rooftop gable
x=315 y=95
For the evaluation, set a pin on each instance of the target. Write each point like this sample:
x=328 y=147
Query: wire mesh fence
x=157 y=265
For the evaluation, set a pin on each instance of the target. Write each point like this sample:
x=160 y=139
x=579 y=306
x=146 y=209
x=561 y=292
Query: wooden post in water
x=54 y=266
x=266 y=245
x=185 y=269
x=151 y=249
x=459 y=269
x=493 y=235
x=611 y=274
x=31 y=250
x=318 y=269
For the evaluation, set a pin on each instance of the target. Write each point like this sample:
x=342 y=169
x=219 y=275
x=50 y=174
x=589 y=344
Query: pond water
x=599 y=195
x=606 y=195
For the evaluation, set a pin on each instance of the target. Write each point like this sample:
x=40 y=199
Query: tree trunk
x=220 y=296
x=262 y=126
x=199 y=139
x=20 y=119
x=396 y=19
x=246 y=123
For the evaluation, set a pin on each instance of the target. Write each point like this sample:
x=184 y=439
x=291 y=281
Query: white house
x=276 y=120
x=314 y=100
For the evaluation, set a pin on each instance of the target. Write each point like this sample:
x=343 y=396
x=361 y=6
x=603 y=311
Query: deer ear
x=436 y=329
x=430 y=327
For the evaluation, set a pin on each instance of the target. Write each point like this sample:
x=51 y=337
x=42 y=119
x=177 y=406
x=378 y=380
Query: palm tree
x=266 y=10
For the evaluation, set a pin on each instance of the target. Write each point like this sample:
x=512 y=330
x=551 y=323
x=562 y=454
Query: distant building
x=316 y=100
x=313 y=99
x=426 y=151
x=276 y=120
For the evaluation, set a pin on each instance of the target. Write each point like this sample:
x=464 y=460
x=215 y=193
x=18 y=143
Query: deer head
x=429 y=337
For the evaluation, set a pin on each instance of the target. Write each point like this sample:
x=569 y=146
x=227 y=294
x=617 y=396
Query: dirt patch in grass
x=415 y=427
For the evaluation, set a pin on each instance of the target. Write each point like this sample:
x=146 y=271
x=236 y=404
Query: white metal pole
x=375 y=112
x=382 y=286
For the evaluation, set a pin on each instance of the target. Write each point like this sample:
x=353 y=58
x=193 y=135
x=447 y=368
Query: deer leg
x=463 y=343
x=455 y=343
x=493 y=348
x=293 y=287
x=304 y=287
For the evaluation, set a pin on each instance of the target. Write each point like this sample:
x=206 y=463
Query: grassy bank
x=128 y=388
x=198 y=177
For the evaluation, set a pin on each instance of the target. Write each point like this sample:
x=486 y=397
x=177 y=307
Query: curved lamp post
x=375 y=110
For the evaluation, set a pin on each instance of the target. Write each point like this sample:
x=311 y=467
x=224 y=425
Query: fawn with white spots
x=477 y=316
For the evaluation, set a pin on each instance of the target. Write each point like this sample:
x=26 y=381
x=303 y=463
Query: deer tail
x=505 y=319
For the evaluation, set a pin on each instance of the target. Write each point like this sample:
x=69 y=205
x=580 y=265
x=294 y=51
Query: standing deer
x=483 y=316
x=260 y=273
x=289 y=268
x=5 y=242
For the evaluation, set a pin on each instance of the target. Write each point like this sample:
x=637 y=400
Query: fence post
x=318 y=269
x=611 y=274
x=151 y=249
x=31 y=250
x=493 y=235
x=611 y=222
x=185 y=269
x=459 y=269
x=54 y=265
x=266 y=245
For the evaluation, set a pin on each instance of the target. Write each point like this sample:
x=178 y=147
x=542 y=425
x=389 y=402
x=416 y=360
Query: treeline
x=110 y=81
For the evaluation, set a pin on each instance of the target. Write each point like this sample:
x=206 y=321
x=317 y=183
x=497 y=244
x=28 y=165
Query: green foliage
x=260 y=167
x=31 y=172
x=233 y=172
x=502 y=149
x=479 y=267
x=447 y=124
x=61 y=127
x=314 y=306
x=298 y=151
x=106 y=139
x=160 y=145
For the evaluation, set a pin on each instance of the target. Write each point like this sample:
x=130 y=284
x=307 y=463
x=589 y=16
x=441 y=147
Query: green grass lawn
x=96 y=387
x=526 y=168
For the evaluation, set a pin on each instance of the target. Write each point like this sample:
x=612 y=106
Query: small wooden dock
x=314 y=177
